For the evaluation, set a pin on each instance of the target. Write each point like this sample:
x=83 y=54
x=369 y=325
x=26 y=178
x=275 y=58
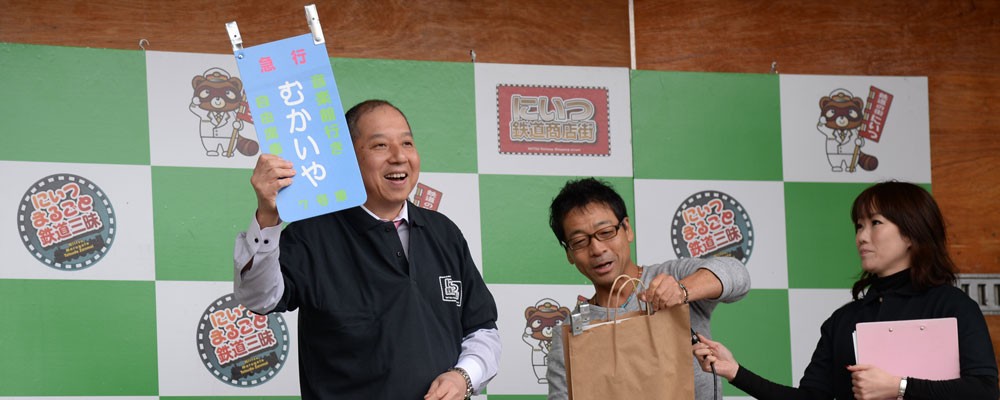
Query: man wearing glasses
x=591 y=223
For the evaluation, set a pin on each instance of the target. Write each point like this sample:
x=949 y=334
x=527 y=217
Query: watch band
x=685 y=290
x=468 y=380
x=902 y=388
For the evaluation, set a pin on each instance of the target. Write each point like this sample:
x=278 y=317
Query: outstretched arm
x=708 y=352
x=722 y=279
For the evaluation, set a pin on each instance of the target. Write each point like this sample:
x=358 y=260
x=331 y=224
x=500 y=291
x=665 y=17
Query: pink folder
x=921 y=348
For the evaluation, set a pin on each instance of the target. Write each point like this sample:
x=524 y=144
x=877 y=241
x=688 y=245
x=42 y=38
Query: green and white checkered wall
x=125 y=326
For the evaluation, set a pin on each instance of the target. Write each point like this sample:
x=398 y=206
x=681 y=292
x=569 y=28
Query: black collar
x=899 y=284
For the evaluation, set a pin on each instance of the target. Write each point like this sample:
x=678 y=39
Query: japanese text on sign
x=427 y=197
x=709 y=227
x=62 y=214
x=544 y=119
x=876 y=111
x=238 y=332
x=299 y=117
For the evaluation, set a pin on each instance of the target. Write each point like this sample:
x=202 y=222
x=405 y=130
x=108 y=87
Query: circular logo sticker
x=66 y=222
x=240 y=347
x=712 y=223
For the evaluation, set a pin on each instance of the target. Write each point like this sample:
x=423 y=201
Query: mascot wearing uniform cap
x=840 y=120
x=542 y=322
x=219 y=103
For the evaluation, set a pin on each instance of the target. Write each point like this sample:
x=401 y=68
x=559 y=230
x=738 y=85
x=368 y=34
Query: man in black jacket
x=391 y=305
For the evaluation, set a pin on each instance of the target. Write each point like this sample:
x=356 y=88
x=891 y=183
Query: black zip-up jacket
x=889 y=299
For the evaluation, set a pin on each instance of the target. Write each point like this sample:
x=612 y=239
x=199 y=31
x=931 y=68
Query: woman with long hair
x=906 y=273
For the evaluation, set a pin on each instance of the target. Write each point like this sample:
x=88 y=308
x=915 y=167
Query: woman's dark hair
x=579 y=194
x=915 y=212
x=359 y=110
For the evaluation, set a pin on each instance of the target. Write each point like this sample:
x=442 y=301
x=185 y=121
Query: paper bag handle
x=616 y=292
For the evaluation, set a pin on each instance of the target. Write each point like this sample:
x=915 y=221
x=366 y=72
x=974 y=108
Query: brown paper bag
x=640 y=357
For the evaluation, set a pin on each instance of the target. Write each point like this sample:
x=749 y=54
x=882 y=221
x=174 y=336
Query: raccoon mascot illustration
x=541 y=323
x=219 y=102
x=840 y=120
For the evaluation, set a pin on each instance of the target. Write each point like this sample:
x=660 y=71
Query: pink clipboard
x=921 y=348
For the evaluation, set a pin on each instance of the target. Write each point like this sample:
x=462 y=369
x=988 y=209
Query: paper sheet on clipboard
x=921 y=348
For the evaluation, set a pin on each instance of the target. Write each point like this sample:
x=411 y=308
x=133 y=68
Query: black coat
x=372 y=323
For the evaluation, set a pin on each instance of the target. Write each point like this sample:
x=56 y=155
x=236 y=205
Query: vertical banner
x=876 y=111
x=298 y=115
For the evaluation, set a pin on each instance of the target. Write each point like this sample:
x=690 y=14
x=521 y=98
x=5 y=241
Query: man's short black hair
x=579 y=194
x=359 y=110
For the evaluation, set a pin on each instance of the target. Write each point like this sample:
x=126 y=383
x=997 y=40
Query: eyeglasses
x=603 y=234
